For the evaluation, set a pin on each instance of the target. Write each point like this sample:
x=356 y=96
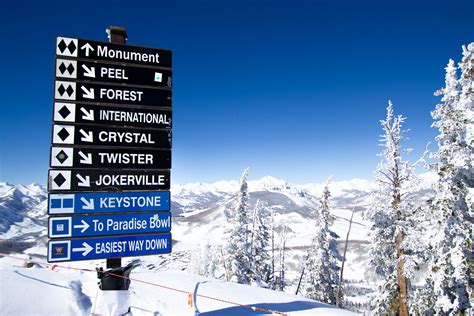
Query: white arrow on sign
x=88 y=115
x=88 y=48
x=87 y=204
x=85 y=159
x=84 y=181
x=84 y=226
x=89 y=72
x=88 y=93
x=87 y=136
x=86 y=248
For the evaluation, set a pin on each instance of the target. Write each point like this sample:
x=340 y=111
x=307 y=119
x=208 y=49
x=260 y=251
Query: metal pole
x=116 y=35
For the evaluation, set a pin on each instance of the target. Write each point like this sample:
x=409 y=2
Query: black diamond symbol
x=62 y=46
x=72 y=47
x=61 y=156
x=61 y=90
x=62 y=68
x=69 y=91
x=64 y=112
x=70 y=68
x=59 y=180
x=63 y=134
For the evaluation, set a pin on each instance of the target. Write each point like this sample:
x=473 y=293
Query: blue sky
x=292 y=89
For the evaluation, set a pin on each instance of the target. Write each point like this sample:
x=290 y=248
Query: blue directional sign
x=108 y=202
x=103 y=225
x=108 y=247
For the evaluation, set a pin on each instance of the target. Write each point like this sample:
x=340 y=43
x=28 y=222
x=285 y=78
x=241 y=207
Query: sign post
x=116 y=35
x=110 y=154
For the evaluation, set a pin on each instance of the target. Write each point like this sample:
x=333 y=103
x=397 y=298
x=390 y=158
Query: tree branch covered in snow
x=238 y=249
x=321 y=277
x=391 y=246
x=452 y=208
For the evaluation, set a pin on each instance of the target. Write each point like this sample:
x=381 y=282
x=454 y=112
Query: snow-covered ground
x=42 y=291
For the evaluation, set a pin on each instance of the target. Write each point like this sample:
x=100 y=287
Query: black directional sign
x=108 y=180
x=93 y=157
x=111 y=115
x=110 y=152
x=110 y=136
x=114 y=73
x=113 y=94
x=87 y=49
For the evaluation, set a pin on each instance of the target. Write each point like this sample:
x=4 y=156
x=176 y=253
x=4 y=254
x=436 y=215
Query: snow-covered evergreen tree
x=321 y=277
x=452 y=256
x=280 y=280
x=205 y=261
x=389 y=215
x=259 y=247
x=272 y=279
x=198 y=262
x=238 y=248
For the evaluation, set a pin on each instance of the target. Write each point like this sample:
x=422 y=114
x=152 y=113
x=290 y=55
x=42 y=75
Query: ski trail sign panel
x=112 y=180
x=111 y=94
x=92 y=50
x=108 y=247
x=110 y=136
x=93 y=157
x=102 y=225
x=110 y=154
x=108 y=202
x=111 y=115
x=101 y=72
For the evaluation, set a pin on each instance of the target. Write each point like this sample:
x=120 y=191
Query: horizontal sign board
x=101 y=72
x=93 y=157
x=111 y=115
x=108 y=180
x=110 y=136
x=87 y=49
x=111 y=94
x=108 y=202
x=108 y=247
x=114 y=224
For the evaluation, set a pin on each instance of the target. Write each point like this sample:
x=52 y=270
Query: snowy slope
x=71 y=292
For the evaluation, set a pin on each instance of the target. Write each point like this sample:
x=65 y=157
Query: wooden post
x=302 y=272
x=116 y=35
x=339 y=288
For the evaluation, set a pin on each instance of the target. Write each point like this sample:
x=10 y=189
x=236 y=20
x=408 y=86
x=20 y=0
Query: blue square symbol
x=55 y=203
x=60 y=227
x=67 y=203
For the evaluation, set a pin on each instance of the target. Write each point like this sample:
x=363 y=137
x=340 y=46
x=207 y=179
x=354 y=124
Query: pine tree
x=450 y=266
x=259 y=247
x=280 y=280
x=205 y=261
x=322 y=266
x=390 y=225
x=238 y=248
x=272 y=279
x=198 y=262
